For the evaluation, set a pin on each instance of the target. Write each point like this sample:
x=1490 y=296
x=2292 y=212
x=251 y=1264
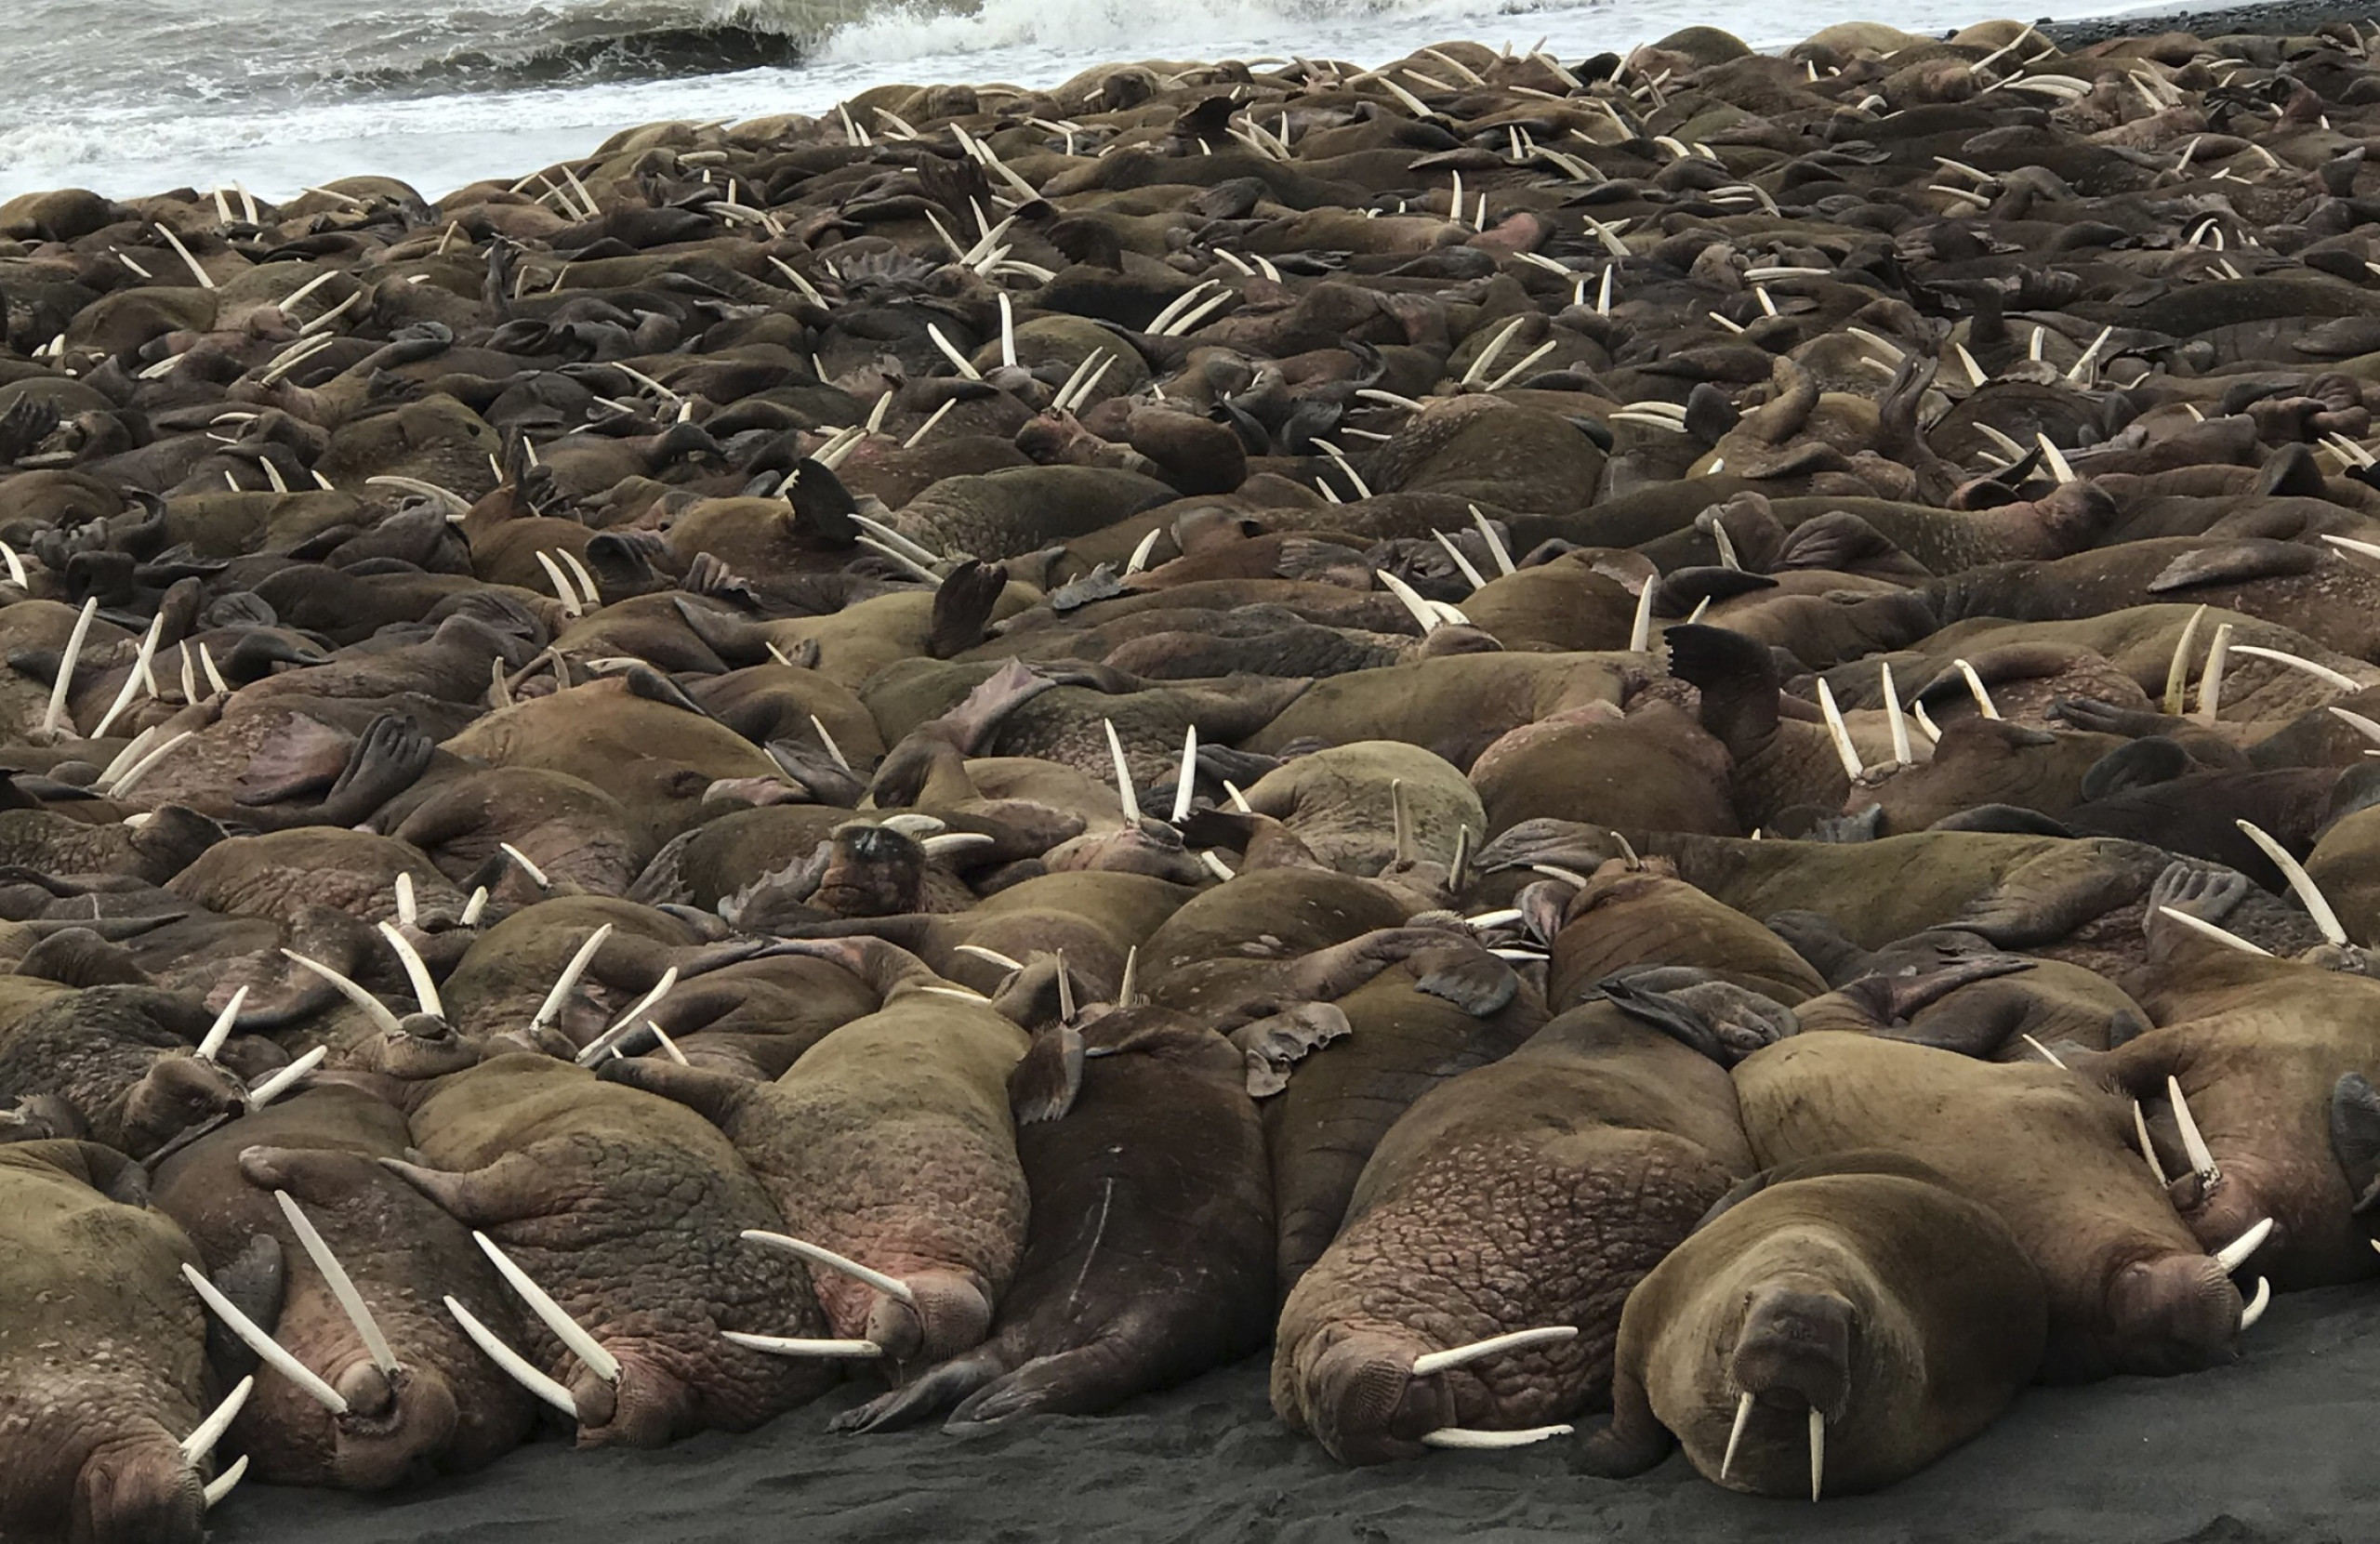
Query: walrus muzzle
x=1797 y=1343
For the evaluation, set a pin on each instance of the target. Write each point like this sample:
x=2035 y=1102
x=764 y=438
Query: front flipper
x=1632 y=1441
x=1083 y=1381
x=932 y=1392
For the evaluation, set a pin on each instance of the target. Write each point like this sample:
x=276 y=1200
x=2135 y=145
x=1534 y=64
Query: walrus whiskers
x=818 y=1254
x=569 y=1331
x=202 y=1440
x=274 y=1353
x=2301 y=883
x=342 y=1285
x=513 y=1363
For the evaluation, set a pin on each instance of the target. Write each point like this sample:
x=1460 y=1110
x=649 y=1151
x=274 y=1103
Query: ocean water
x=128 y=96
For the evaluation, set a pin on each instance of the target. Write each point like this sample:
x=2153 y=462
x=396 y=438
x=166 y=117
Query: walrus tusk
x=1127 y=989
x=342 y=1285
x=585 y=580
x=950 y=352
x=828 y=740
x=2257 y=1305
x=1495 y=345
x=955 y=841
x=377 y=1011
x=2357 y=722
x=200 y=1442
x=1008 y=309
x=780 y=1345
x=625 y=1024
x=2193 y=1144
x=1983 y=702
x=1459 y=862
x=1478 y=1441
x=992 y=956
x=2339 y=679
x=2055 y=458
x=2235 y=1254
x=1066 y=991
x=425 y=991
x=1216 y=866
x=1817 y=1450
x=1901 y=757
x=2210 y=681
x=17 y=576
x=562 y=585
x=914 y=441
x=818 y=1254
x=2208 y=929
x=1640 y=631
x=221 y=1030
x=132 y=682
x=1400 y=814
x=1454 y=554
x=1124 y=790
x=515 y=1366
x=455 y=503
x=1736 y=1432
x=2147 y=1148
x=550 y=1009
x=1837 y=730
x=265 y=1346
x=223 y=1485
x=147 y=764
x=569 y=1331
x=1177 y=306
x=1456 y=1356
x=279 y=1083
x=536 y=875
x=2369 y=550
x=2177 y=669
x=2047 y=1055
x=1140 y=558
x=408 y=908
x=2300 y=882
x=1500 y=917
x=1185 y=782
x=49 y=721
x=2075 y=374
x=474 y=906
x=214 y=676
x=1496 y=547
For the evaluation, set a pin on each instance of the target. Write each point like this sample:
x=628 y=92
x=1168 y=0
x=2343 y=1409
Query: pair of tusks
x=274 y=1353
x=1184 y=788
x=2301 y=884
x=629 y=1022
x=210 y=1046
x=417 y=970
x=1840 y=733
x=1818 y=1443
x=818 y=1254
x=1432 y=1362
x=2201 y=1157
x=202 y=1441
x=569 y=1331
x=1431 y=615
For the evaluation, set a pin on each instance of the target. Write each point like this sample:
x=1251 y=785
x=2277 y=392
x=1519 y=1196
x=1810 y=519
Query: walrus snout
x=1365 y=1404
x=2175 y=1314
x=1797 y=1343
x=179 y=1092
x=949 y=1314
x=643 y=1407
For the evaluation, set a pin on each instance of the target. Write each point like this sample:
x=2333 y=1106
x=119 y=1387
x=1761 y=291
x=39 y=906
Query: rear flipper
x=1083 y=1381
x=934 y=1392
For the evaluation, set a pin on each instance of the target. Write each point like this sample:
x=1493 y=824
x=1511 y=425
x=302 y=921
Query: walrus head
x=1795 y=1349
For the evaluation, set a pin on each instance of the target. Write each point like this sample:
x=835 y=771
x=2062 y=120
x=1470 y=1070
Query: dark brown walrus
x=1832 y=1326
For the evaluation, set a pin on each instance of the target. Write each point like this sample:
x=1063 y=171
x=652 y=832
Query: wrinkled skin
x=1339 y=804
x=1535 y=1190
x=627 y=1209
x=447 y=1408
x=122 y=1056
x=1859 y=1287
x=93 y=1451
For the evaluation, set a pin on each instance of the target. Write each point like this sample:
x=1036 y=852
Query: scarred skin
x=1530 y=1192
x=2130 y=1289
x=627 y=1209
x=448 y=1409
x=889 y=1142
x=102 y=1355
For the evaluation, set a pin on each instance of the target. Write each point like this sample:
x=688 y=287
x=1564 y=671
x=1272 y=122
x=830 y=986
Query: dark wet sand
x=2278 y=1448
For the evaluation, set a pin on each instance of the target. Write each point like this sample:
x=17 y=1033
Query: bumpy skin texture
x=503 y=978
x=102 y=1357
x=1220 y=940
x=889 y=1142
x=280 y=874
x=448 y=1409
x=1530 y=1192
x=1149 y=1258
x=2129 y=1288
x=1946 y=1322
x=121 y=1056
x=1338 y=803
x=627 y=1209
x=1646 y=916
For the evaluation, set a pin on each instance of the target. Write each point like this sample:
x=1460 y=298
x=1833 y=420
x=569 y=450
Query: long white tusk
x=550 y=1009
x=409 y=909
x=474 y=906
x=223 y=1483
x=2147 y=1148
x=1140 y=558
x=1496 y=547
x=536 y=875
x=132 y=682
x=578 y=570
x=2257 y=1305
x=1844 y=750
x=515 y=1365
x=264 y=1345
x=2208 y=929
x=1419 y=609
x=342 y=1285
x=148 y=763
x=1128 y=989
x=991 y=956
x=2235 y=1254
x=2368 y=728
x=562 y=590
x=2177 y=669
x=2193 y=1144
x=2047 y=1055
x=374 y=1009
x=200 y=1443
x=1007 y=324
x=625 y=1025
x=1726 y=545
x=569 y=1331
x=2050 y=454
x=1125 y=792
x=16 y=566
x=221 y=1030
x=1901 y=757
x=1817 y=1451
x=2300 y=882
x=1476 y=1441
x=1461 y=562
x=779 y=1345
x=1640 y=631
x=2210 y=681
x=425 y=991
x=828 y=740
x=279 y=1083
x=892 y=1286
x=1736 y=1432
x=66 y=667
x=2339 y=679
x=1185 y=782
x=1495 y=1345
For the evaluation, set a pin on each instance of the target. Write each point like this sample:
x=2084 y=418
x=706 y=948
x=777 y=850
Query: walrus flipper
x=1630 y=1440
x=929 y=1395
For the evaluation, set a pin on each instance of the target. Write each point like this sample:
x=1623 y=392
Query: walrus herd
x=1684 y=736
